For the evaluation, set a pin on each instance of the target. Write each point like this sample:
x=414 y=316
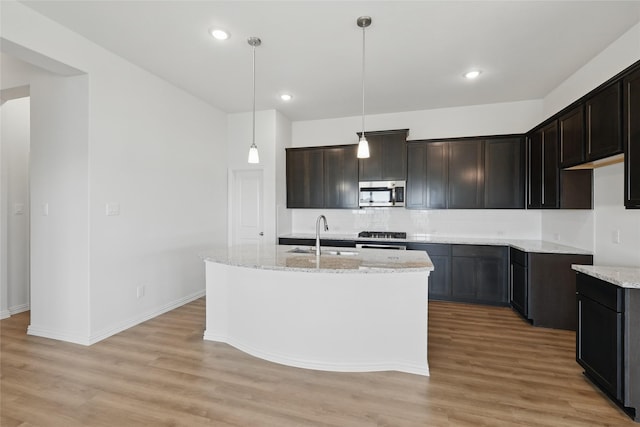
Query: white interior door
x=247 y=216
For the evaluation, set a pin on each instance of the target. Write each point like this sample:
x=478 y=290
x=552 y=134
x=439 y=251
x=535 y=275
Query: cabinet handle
x=529 y=169
x=589 y=129
x=543 y=169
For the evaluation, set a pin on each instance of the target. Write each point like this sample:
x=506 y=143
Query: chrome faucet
x=326 y=228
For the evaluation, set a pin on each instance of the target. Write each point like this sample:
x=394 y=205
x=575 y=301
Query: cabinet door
x=463 y=278
x=572 y=137
x=394 y=157
x=440 y=277
x=305 y=178
x=519 y=289
x=491 y=278
x=427 y=175
x=416 y=176
x=534 y=170
x=341 y=177
x=504 y=174
x=550 y=171
x=387 y=157
x=604 y=123
x=632 y=140
x=371 y=169
x=599 y=344
x=466 y=174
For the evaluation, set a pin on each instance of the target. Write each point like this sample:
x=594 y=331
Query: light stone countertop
x=281 y=257
x=625 y=277
x=536 y=246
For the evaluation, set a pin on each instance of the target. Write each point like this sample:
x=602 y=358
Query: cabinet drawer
x=437 y=249
x=518 y=257
x=607 y=294
x=478 y=251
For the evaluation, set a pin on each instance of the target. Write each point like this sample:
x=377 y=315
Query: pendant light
x=363 y=145
x=253 y=150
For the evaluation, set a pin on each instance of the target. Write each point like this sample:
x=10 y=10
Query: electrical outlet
x=140 y=291
x=556 y=236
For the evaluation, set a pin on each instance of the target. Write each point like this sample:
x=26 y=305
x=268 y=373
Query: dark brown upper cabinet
x=542 y=167
x=341 y=177
x=427 y=175
x=572 y=140
x=504 y=173
x=305 y=178
x=603 y=112
x=322 y=177
x=631 y=110
x=387 y=156
x=466 y=174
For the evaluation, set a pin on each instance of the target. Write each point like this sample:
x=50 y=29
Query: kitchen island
x=342 y=311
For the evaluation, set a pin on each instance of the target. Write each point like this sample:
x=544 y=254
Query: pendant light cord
x=363 y=53
x=253 y=140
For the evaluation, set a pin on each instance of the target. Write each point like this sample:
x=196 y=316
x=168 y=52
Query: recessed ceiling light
x=286 y=97
x=472 y=74
x=219 y=34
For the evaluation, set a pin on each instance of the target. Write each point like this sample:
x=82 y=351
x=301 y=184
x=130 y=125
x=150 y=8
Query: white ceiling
x=416 y=50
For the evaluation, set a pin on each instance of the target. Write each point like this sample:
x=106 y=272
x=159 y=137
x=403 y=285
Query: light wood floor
x=488 y=368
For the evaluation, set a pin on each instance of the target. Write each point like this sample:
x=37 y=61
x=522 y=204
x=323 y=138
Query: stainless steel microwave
x=382 y=194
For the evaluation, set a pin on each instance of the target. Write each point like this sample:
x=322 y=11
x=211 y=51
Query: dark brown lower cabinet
x=479 y=274
x=608 y=340
x=543 y=287
x=440 y=277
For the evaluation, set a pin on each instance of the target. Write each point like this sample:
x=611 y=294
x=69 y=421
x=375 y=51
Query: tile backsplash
x=514 y=224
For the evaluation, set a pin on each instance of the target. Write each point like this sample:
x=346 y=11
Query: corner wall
x=594 y=229
x=143 y=190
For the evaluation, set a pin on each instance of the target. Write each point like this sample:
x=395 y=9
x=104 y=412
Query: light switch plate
x=18 y=209
x=113 y=209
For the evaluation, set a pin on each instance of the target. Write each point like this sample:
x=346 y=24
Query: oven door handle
x=374 y=246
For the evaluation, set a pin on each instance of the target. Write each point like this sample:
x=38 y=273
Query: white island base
x=334 y=321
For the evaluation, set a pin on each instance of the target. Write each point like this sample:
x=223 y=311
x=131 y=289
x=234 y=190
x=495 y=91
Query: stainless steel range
x=379 y=242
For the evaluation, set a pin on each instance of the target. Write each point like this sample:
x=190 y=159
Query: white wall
x=14 y=147
x=283 y=141
x=493 y=119
x=59 y=183
x=157 y=152
x=593 y=229
x=500 y=224
x=273 y=134
x=476 y=120
x=613 y=220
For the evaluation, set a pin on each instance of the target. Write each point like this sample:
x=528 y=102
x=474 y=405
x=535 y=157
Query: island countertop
x=624 y=277
x=334 y=260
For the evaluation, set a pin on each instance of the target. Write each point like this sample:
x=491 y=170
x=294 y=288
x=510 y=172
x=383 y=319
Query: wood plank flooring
x=488 y=368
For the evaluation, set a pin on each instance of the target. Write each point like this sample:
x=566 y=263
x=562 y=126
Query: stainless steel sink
x=323 y=252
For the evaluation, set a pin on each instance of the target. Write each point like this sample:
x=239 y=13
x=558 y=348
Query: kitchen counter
x=332 y=260
x=292 y=308
x=625 y=277
x=535 y=246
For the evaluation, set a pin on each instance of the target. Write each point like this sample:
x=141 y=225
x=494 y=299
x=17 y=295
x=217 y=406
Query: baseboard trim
x=106 y=333
x=363 y=366
x=4 y=314
x=19 y=309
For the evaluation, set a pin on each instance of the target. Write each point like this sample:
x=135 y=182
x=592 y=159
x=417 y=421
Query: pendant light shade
x=363 y=145
x=253 y=150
